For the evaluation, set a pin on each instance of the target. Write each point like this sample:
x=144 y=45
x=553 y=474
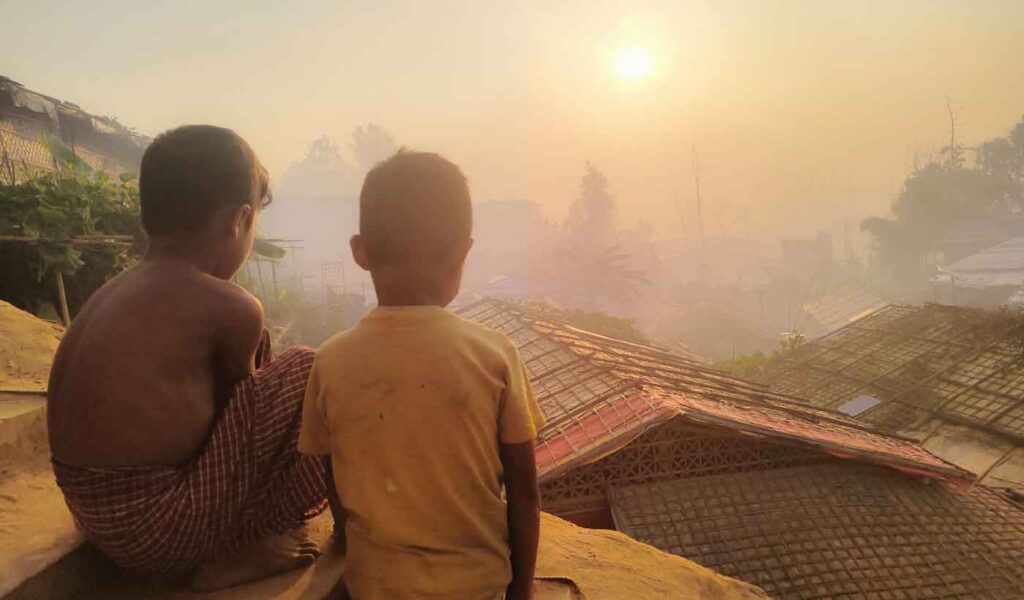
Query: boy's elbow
x=532 y=495
x=525 y=496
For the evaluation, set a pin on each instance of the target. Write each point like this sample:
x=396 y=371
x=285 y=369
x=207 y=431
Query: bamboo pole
x=259 y=273
x=111 y=240
x=65 y=315
x=273 y=276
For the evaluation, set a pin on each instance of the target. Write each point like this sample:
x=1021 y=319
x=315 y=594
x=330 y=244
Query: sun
x=634 y=64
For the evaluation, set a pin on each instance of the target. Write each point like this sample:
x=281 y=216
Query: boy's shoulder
x=456 y=328
x=183 y=291
x=232 y=299
x=485 y=334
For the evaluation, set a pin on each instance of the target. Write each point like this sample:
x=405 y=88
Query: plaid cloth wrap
x=248 y=483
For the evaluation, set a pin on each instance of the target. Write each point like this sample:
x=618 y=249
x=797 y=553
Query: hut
x=800 y=500
x=27 y=118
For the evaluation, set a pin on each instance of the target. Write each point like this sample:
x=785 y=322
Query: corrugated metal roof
x=599 y=393
x=1016 y=301
x=1001 y=265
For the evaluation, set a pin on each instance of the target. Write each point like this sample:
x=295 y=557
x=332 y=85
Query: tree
x=1002 y=160
x=323 y=154
x=593 y=277
x=941 y=194
x=590 y=224
x=588 y=266
x=370 y=145
x=322 y=172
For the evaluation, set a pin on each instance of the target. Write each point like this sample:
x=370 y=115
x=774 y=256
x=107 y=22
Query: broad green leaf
x=64 y=156
x=266 y=249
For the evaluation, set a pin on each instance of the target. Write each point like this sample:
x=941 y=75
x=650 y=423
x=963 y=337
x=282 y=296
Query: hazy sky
x=805 y=113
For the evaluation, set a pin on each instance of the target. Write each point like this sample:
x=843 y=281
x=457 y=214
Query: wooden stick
x=273 y=275
x=117 y=240
x=65 y=315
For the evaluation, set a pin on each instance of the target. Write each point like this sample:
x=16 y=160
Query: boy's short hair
x=415 y=206
x=191 y=172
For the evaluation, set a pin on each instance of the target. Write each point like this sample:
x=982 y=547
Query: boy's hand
x=516 y=591
x=520 y=468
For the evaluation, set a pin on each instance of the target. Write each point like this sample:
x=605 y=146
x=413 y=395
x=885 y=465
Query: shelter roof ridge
x=599 y=393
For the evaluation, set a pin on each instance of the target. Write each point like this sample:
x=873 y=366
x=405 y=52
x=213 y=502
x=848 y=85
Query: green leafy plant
x=75 y=221
x=751 y=364
x=745 y=364
x=591 y=320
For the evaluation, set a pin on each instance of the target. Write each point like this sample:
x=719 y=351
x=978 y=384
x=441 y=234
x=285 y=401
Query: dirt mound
x=27 y=346
x=607 y=565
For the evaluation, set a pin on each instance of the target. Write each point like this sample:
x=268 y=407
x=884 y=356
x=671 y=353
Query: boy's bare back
x=139 y=374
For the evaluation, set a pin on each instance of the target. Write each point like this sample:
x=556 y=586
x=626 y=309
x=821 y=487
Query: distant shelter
x=28 y=118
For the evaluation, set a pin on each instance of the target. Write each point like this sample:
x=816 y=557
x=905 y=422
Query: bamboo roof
x=923 y=371
x=599 y=393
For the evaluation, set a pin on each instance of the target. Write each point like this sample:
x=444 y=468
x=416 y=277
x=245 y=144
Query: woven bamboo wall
x=21 y=153
x=674 y=450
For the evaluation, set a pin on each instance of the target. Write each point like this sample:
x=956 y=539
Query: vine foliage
x=77 y=221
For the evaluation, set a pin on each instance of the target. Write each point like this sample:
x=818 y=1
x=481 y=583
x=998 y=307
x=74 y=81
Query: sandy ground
x=306 y=584
x=607 y=565
x=35 y=526
x=27 y=345
x=574 y=564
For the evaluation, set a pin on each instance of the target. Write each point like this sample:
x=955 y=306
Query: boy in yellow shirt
x=425 y=415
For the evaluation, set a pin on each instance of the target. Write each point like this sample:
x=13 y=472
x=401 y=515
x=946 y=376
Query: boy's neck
x=409 y=298
x=191 y=250
x=395 y=288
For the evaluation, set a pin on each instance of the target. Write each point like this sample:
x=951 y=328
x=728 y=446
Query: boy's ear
x=243 y=218
x=358 y=246
x=465 y=251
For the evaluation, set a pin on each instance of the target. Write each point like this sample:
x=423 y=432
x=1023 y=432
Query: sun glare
x=634 y=64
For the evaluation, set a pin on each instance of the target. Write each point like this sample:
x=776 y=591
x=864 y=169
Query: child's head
x=201 y=184
x=415 y=227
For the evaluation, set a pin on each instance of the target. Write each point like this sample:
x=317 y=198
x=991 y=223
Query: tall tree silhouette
x=590 y=224
x=591 y=268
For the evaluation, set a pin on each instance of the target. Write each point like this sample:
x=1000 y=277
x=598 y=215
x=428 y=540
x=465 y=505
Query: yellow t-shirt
x=411 y=404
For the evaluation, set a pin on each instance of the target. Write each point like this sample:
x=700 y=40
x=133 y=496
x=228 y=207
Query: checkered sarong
x=249 y=482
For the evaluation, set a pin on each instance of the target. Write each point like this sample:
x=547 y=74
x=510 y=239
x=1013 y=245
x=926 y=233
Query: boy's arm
x=239 y=327
x=338 y=512
x=518 y=424
x=523 y=516
x=315 y=439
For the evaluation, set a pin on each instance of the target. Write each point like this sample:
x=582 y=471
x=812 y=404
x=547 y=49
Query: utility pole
x=847 y=242
x=682 y=218
x=700 y=213
x=953 y=155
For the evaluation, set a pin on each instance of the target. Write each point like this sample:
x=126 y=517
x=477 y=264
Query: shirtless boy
x=173 y=432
